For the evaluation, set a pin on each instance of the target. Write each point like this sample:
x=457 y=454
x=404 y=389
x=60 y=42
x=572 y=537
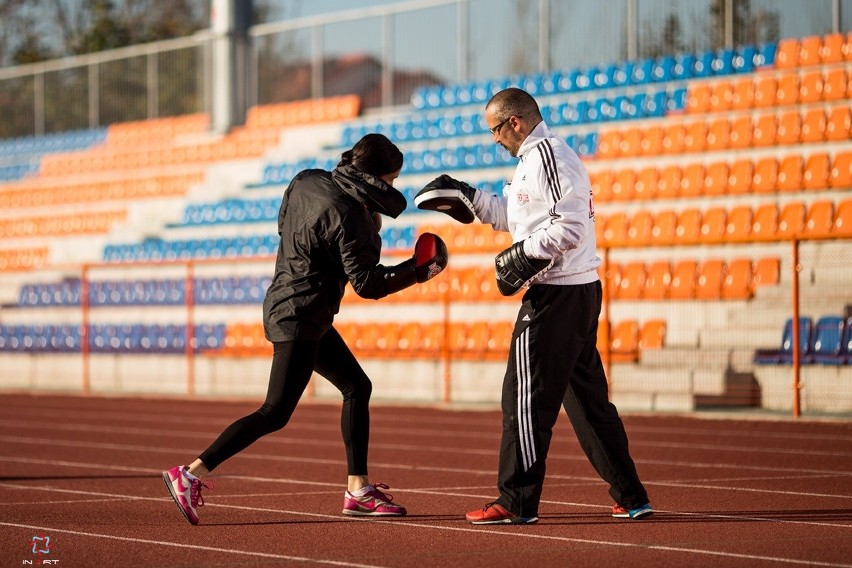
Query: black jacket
x=328 y=237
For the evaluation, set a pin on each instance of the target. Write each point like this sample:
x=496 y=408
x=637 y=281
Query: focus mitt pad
x=515 y=269
x=447 y=195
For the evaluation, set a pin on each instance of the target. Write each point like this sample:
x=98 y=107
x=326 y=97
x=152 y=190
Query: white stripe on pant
x=525 y=424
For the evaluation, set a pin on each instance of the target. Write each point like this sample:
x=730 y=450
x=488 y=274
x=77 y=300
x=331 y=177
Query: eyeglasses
x=497 y=128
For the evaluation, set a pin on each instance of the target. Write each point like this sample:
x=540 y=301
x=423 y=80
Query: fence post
x=84 y=327
x=796 y=343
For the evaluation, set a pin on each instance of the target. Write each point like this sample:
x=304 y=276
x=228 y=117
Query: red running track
x=85 y=473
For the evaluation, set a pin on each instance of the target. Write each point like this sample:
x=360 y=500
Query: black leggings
x=292 y=365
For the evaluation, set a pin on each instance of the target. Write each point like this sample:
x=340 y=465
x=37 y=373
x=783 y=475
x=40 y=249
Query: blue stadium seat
x=642 y=72
x=765 y=56
x=828 y=346
x=722 y=62
x=683 y=66
x=743 y=61
x=663 y=69
x=676 y=100
x=784 y=355
x=702 y=64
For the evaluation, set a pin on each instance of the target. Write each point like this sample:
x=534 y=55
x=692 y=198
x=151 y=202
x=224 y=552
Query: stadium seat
x=652 y=141
x=843 y=222
x=790 y=173
x=739 y=222
x=791 y=220
x=784 y=355
x=831 y=48
x=787 y=53
x=838 y=125
x=716 y=179
x=632 y=281
x=698 y=98
x=623 y=185
x=738 y=280
x=813 y=126
x=624 y=341
x=692 y=181
x=641 y=227
x=673 y=137
x=718 y=134
x=765 y=178
x=767 y=272
x=608 y=143
x=721 y=96
x=819 y=219
x=765 y=222
x=809 y=50
x=741 y=132
x=665 y=227
x=711 y=275
x=788 y=89
x=740 y=176
x=742 y=93
x=615 y=231
x=764 y=130
x=688 y=227
x=657 y=280
x=714 y=224
x=765 y=91
x=646 y=184
x=602 y=185
x=816 y=172
x=834 y=85
x=630 y=143
x=695 y=137
x=684 y=274
x=811 y=86
x=788 y=129
x=669 y=182
x=828 y=348
x=652 y=335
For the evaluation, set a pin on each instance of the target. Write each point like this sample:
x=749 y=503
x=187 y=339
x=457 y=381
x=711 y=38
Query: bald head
x=514 y=102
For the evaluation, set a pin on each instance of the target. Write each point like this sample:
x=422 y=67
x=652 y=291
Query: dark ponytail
x=373 y=154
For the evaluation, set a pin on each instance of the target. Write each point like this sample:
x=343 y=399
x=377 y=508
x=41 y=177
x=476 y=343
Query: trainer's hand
x=448 y=195
x=515 y=269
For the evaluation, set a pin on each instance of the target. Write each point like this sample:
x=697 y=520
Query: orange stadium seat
x=711 y=275
x=631 y=142
x=615 y=232
x=790 y=173
x=838 y=125
x=602 y=185
x=809 y=50
x=765 y=178
x=624 y=343
x=764 y=130
x=843 y=220
x=789 y=126
x=831 y=48
x=698 y=98
x=688 y=228
x=841 y=171
x=665 y=227
x=787 y=53
x=765 y=222
x=499 y=339
x=791 y=220
x=739 y=177
x=721 y=96
x=669 y=183
x=641 y=227
x=719 y=134
x=632 y=281
x=738 y=228
x=623 y=185
x=742 y=96
x=767 y=272
x=610 y=278
x=673 y=136
x=813 y=126
x=741 y=133
x=684 y=274
x=432 y=341
x=819 y=220
x=817 y=170
x=652 y=335
x=714 y=224
x=695 y=137
x=716 y=179
x=834 y=85
x=408 y=339
x=811 y=86
x=608 y=143
x=692 y=182
x=847 y=47
x=765 y=90
x=652 y=141
x=600 y=228
x=788 y=89
x=646 y=183
x=657 y=280
x=738 y=280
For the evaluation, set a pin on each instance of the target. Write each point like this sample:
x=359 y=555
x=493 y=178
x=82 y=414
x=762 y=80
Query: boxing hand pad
x=448 y=195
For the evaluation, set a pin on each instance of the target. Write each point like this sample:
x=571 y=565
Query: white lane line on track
x=425 y=491
x=485 y=531
x=466 y=471
x=190 y=546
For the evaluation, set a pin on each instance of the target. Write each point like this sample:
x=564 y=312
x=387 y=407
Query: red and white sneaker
x=642 y=512
x=374 y=503
x=185 y=489
x=494 y=514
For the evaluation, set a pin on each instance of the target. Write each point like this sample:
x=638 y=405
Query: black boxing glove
x=430 y=258
x=448 y=195
x=515 y=269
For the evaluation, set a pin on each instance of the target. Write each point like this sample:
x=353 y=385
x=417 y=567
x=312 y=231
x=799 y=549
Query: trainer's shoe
x=638 y=513
x=185 y=489
x=494 y=514
x=374 y=503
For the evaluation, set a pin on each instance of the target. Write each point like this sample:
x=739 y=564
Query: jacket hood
x=369 y=190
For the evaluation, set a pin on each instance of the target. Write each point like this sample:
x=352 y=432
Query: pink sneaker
x=374 y=503
x=186 y=491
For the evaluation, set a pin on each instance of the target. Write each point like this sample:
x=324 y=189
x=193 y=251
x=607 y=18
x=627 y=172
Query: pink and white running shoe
x=374 y=503
x=185 y=489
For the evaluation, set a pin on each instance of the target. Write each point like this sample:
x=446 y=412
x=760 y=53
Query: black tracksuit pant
x=553 y=363
x=292 y=365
